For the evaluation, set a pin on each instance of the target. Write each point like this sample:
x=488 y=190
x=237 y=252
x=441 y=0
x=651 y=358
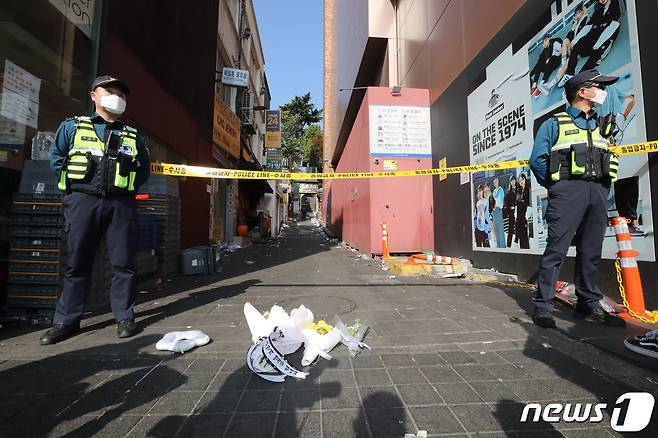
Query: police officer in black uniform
x=100 y=162
x=570 y=158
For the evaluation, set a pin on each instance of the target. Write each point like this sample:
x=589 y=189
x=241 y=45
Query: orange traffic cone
x=630 y=283
x=385 y=253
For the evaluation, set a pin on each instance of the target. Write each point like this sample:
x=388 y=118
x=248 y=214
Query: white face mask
x=113 y=103
x=599 y=96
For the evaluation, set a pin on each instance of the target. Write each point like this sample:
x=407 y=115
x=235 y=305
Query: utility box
x=193 y=261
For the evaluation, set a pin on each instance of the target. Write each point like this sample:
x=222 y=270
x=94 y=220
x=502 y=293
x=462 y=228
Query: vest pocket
x=124 y=175
x=578 y=158
x=555 y=164
x=79 y=167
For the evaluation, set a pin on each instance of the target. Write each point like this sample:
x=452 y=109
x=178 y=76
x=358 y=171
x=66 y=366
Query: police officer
x=100 y=162
x=570 y=158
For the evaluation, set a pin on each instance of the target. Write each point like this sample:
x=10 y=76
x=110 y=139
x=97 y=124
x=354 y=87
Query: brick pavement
x=450 y=357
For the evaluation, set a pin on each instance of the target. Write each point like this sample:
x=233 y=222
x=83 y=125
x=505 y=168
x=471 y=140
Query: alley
x=450 y=357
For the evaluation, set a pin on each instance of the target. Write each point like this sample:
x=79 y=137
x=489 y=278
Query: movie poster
x=525 y=87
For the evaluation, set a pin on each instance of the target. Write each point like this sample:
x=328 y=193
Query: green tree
x=297 y=116
x=313 y=146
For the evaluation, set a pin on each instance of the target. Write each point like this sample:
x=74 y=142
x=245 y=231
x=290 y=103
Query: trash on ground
x=420 y=434
x=180 y=342
x=567 y=292
x=249 y=262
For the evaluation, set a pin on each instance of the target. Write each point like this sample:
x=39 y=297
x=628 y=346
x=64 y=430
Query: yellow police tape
x=212 y=172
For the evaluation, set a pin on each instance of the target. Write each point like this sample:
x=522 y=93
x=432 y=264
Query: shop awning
x=259 y=185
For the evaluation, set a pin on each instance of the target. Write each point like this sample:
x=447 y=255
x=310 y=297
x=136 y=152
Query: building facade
x=489 y=92
x=172 y=58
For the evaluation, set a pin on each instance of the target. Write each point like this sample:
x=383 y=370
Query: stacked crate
x=36 y=245
x=37 y=255
x=161 y=201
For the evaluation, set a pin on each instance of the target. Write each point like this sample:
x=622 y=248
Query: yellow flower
x=321 y=327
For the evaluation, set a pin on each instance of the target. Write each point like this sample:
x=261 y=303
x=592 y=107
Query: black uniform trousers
x=88 y=218
x=575 y=208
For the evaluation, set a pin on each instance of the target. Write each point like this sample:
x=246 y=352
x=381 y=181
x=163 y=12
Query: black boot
x=58 y=333
x=543 y=318
x=127 y=328
x=596 y=313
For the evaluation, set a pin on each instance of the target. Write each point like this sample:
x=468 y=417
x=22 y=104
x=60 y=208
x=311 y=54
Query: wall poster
x=524 y=87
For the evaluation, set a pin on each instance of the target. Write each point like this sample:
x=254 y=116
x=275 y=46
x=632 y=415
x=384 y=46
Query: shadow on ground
x=569 y=371
x=82 y=392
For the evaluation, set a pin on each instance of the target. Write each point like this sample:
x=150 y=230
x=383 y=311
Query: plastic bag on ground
x=180 y=342
x=352 y=340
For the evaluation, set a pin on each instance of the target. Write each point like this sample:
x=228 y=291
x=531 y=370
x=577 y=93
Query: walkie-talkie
x=607 y=127
x=112 y=144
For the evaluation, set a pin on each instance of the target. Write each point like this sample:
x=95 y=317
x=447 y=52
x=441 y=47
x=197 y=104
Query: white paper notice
x=400 y=131
x=20 y=95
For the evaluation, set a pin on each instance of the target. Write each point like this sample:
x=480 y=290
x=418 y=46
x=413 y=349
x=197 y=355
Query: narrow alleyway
x=450 y=357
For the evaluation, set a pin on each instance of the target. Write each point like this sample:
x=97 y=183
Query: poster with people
x=524 y=86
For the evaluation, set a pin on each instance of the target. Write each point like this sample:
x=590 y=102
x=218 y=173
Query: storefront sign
x=78 y=12
x=274 y=160
x=226 y=129
x=400 y=131
x=307 y=188
x=234 y=77
x=20 y=95
x=273 y=129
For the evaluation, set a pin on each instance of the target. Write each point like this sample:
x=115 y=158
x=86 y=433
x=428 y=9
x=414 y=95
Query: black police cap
x=107 y=80
x=592 y=75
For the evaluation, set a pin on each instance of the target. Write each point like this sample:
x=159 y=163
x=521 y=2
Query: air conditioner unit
x=246 y=107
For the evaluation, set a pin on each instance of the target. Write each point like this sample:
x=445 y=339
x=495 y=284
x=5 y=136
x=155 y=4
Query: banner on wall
x=523 y=88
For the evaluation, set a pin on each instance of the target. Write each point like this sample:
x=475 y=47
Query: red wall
x=404 y=203
x=162 y=116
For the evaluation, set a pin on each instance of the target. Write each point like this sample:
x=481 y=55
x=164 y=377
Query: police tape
x=185 y=170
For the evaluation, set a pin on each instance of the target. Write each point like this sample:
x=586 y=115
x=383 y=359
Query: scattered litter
x=385 y=268
x=143 y=291
x=420 y=434
x=249 y=262
x=180 y=342
x=567 y=292
x=391 y=276
x=365 y=257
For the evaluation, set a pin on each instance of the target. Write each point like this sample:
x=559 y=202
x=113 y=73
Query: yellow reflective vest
x=91 y=168
x=578 y=153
